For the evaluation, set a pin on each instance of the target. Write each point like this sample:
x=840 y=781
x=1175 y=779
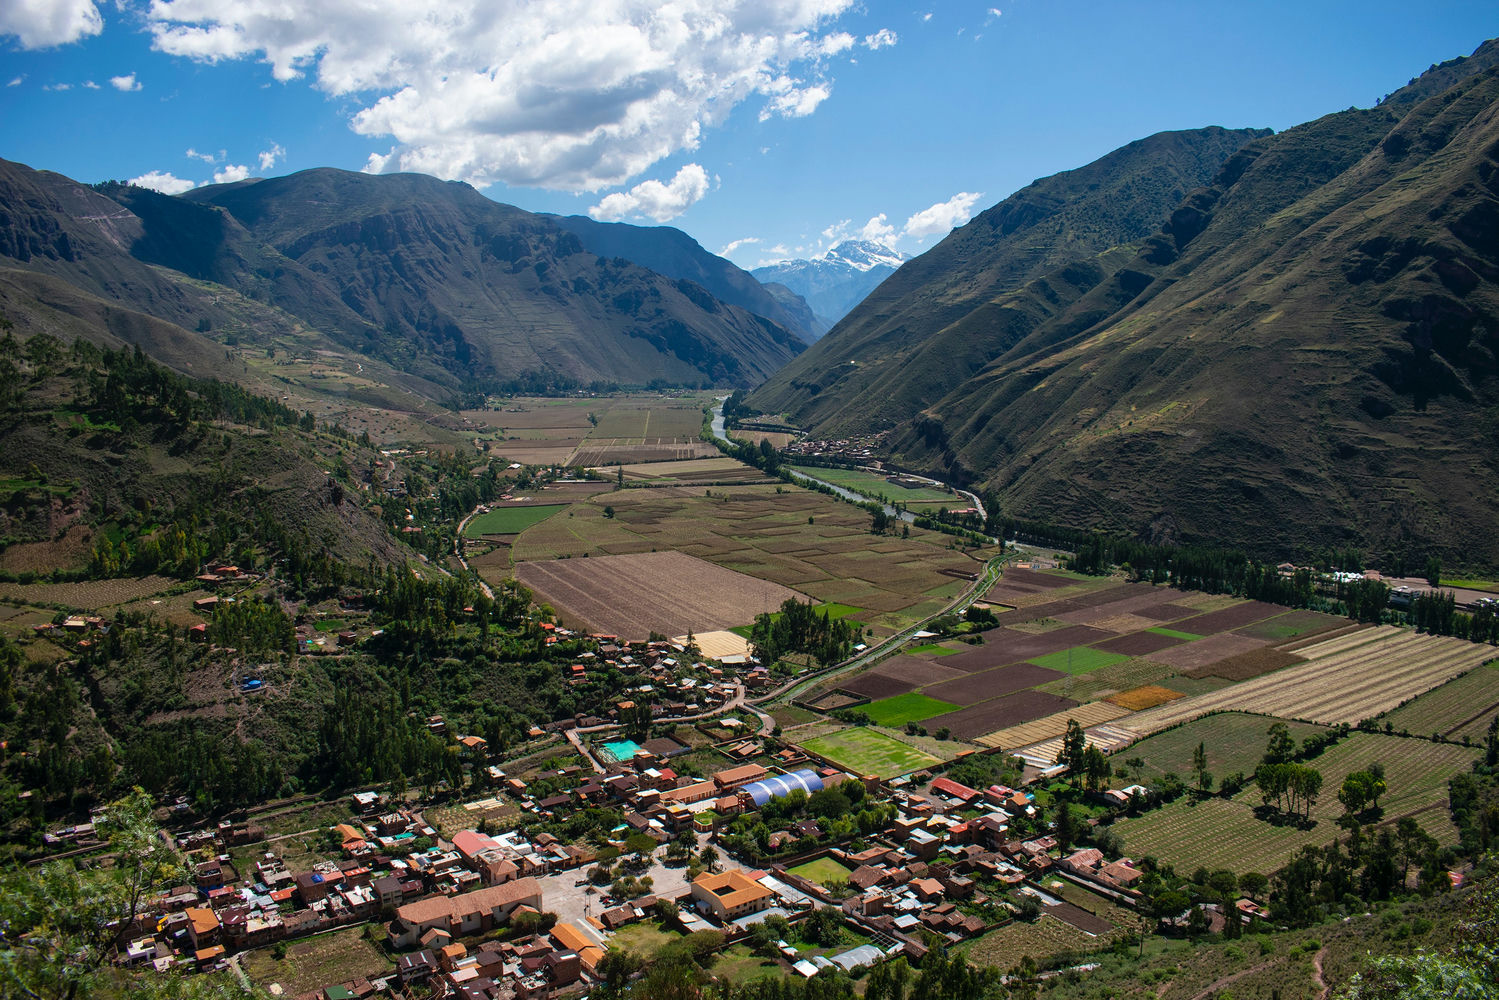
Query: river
x=721 y=433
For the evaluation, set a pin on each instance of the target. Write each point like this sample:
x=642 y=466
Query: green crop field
x=822 y=871
x=873 y=485
x=1078 y=660
x=1225 y=833
x=1233 y=741
x=1461 y=707
x=1174 y=633
x=932 y=649
x=509 y=520
x=863 y=751
x=904 y=708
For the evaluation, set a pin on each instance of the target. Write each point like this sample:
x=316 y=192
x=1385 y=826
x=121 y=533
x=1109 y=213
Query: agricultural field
x=1233 y=742
x=1459 y=709
x=1004 y=946
x=634 y=595
x=509 y=520
x=872 y=484
x=597 y=431
x=802 y=540
x=316 y=962
x=696 y=470
x=1047 y=727
x=861 y=751
x=823 y=871
x=89 y=595
x=1225 y=833
x=903 y=708
x=1346 y=679
x=1079 y=660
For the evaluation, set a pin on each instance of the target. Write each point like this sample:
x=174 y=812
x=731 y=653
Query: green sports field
x=510 y=520
x=864 y=751
x=1078 y=660
x=904 y=708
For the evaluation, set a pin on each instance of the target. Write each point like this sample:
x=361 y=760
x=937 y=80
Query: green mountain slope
x=432 y=281
x=485 y=290
x=907 y=343
x=1303 y=355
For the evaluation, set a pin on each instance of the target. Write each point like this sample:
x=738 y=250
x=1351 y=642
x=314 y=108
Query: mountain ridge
x=836 y=281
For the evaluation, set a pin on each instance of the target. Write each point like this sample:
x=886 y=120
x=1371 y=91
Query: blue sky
x=764 y=128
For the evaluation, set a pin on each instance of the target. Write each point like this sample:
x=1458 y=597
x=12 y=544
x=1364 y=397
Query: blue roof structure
x=781 y=785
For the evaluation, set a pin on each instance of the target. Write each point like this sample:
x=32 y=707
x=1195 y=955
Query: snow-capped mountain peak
x=863 y=255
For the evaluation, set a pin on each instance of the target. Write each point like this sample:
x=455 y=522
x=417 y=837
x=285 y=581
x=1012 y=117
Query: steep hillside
x=673 y=253
x=837 y=281
x=1303 y=355
x=488 y=291
x=434 y=283
x=865 y=374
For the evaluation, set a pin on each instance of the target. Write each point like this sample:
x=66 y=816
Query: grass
x=325 y=960
x=1461 y=707
x=1079 y=660
x=737 y=964
x=1175 y=633
x=1233 y=741
x=932 y=649
x=1226 y=833
x=645 y=939
x=822 y=871
x=509 y=520
x=904 y=708
x=1488 y=585
x=873 y=485
x=862 y=751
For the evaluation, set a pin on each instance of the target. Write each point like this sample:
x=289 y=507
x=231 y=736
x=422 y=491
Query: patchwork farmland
x=803 y=541
x=1061 y=654
x=666 y=592
x=1225 y=833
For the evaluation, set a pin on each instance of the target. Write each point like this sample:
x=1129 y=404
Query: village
x=777 y=854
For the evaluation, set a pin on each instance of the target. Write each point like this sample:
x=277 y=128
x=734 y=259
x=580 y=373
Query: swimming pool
x=622 y=750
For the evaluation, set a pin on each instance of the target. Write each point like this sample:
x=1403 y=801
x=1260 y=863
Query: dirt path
x=1323 y=989
x=1219 y=984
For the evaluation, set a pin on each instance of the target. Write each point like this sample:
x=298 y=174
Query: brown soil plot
x=1246 y=665
x=1002 y=646
x=921 y=669
x=1204 y=652
x=1030 y=578
x=666 y=592
x=989 y=684
x=1012 y=710
x=1167 y=612
x=876 y=686
x=1141 y=698
x=1230 y=618
x=1139 y=644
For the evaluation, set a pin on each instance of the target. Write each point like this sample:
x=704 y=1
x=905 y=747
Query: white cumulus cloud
x=944 y=215
x=127 y=82
x=880 y=39
x=40 y=24
x=160 y=180
x=878 y=230
x=268 y=157
x=654 y=200
x=573 y=95
x=231 y=173
x=729 y=248
x=193 y=154
x=16 y=81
